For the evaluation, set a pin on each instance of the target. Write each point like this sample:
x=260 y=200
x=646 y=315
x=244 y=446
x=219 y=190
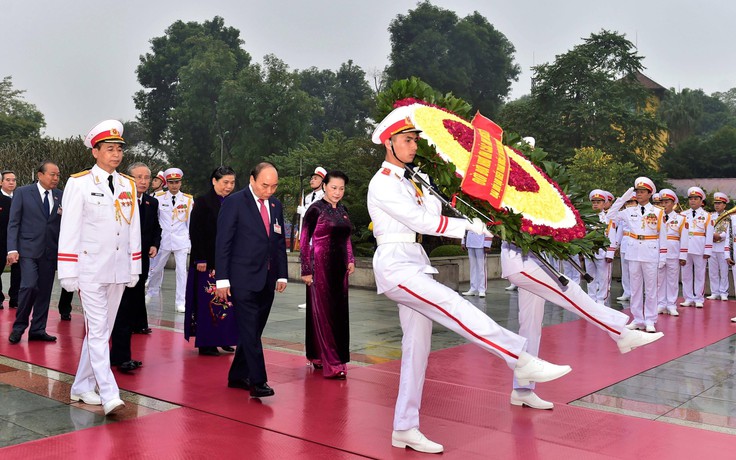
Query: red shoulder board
x=386 y=171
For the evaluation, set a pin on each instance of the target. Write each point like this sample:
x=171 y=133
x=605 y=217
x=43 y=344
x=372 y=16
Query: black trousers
x=34 y=294
x=14 y=286
x=251 y=314
x=123 y=328
x=65 y=302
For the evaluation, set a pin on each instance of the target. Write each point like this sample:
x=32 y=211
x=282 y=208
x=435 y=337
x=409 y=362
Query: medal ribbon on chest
x=124 y=205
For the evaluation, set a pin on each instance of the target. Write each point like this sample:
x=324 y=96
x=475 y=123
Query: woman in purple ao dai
x=327 y=261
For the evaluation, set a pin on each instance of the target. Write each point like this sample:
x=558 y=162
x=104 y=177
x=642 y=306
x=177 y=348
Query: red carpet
x=465 y=402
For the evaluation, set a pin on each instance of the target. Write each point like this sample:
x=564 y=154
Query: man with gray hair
x=132 y=316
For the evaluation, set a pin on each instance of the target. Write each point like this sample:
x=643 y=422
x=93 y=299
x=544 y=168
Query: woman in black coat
x=208 y=319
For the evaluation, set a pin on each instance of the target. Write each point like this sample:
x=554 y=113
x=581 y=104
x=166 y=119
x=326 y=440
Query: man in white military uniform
x=99 y=255
x=537 y=285
x=646 y=253
x=314 y=194
x=597 y=267
x=717 y=265
x=699 y=248
x=730 y=250
x=621 y=242
x=400 y=209
x=174 y=209
x=477 y=245
x=158 y=183
x=668 y=277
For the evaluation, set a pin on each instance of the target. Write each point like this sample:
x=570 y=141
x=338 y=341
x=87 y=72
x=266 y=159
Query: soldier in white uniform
x=158 y=183
x=314 y=194
x=174 y=209
x=598 y=267
x=730 y=250
x=477 y=245
x=400 y=209
x=668 y=277
x=622 y=244
x=699 y=248
x=717 y=265
x=535 y=286
x=646 y=253
x=99 y=255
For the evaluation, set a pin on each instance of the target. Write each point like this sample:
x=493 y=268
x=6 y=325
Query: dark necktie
x=109 y=182
x=666 y=217
x=642 y=210
x=46 y=202
x=173 y=200
x=693 y=213
x=311 y=200
x=264 y=216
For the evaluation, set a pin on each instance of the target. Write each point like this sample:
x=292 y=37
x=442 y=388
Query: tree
x=703 y=156
x=18 y=118
x=467 y=57
x=345 y=99
x=591 y=168
x=590 y=97
x=681 y=112
x=206 y=103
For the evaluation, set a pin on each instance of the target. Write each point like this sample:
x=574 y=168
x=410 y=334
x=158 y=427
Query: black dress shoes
x=42 y=337
x=143 y=331
x=229 y=349
x=243 y=384
x=13 y=305
x=129 y=366
x=261 y=390
x=15 y=337
x=66 y=317
x=209 y=351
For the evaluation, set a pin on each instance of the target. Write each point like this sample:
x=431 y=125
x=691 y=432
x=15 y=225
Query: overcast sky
x=76 y=59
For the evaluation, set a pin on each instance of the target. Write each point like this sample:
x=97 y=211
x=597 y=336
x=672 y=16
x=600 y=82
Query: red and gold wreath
x=499 y=174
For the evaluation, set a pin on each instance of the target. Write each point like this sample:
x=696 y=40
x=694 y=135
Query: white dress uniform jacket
x=95 y=245
x=668 y=277
x=173 y=216
x=699 y=243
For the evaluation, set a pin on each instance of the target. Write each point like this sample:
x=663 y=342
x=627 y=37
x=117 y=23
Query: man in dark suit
x=132 y=315
x=33 y=241
x=250 y=264
x=7 y=188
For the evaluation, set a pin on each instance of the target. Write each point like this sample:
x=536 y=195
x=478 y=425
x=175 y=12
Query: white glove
x=133 y=281
x=70 y=284
x=477 y=226
x=300 y=210
x=660 y=265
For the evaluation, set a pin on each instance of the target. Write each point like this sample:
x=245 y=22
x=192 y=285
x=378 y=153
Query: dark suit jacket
x=32 y=231
x=150 y=230
x=203 y=229
x=5 y=203
x=244 y=253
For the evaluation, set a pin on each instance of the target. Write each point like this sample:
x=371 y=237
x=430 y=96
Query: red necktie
x=264 y=216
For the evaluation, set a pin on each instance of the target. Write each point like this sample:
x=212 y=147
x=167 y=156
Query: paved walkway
x=695 y=390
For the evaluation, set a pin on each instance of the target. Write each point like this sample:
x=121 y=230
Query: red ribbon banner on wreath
x=488 y=171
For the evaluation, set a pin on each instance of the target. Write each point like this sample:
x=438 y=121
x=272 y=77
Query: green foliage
x=467 y=56
x=18 y=118
x=589 y=97
x=344 y=96
x=703 y=156
x=24 y=156
x=592 y=168
x=448 y=250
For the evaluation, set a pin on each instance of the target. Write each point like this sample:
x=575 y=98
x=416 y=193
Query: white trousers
x=600 y=287
x=422 y=300
x=643 y=278
x=100 y=304
x=693 y=278
x=625 y=277
x=536 y=286
x=668 y=280
x=718 y=273
x=156 y=276
x=478 y=273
